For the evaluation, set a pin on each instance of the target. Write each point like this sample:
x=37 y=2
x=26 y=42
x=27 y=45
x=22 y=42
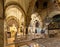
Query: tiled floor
x=48 y=42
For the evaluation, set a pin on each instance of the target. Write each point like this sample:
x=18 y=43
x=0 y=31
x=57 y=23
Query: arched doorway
x=54 y=25
x=11 y=28
x=35 y=25
x=14 y=20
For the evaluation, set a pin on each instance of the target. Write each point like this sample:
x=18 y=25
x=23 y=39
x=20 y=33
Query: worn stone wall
x=1 y=25
x=1 y=33
x=1 y=8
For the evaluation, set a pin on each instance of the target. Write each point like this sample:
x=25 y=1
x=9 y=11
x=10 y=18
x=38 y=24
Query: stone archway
x=11 y=25
x=55 y=24
x=14 y=10
x=34 y=18
x=50 y=18
x=12 y=22
x=53 y=13
x=36 y=22
x=15 y=16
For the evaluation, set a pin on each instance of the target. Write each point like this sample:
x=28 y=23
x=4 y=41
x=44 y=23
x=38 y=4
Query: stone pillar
x=28 y=19
x=46 y=29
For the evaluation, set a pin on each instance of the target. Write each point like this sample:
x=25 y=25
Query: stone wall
x=1 y=25
x=1 y=33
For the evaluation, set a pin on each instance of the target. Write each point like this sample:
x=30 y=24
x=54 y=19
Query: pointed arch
x=15 y=5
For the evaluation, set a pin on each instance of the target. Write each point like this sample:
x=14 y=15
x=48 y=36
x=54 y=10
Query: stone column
x=27 y=19
x=46 y=29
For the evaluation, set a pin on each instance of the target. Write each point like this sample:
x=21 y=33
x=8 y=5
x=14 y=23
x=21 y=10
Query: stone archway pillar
x=46 y=30
x=27 y=22
x=45 y=26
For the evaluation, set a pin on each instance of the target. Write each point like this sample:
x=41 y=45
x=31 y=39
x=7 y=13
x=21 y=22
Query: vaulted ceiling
x=29 y=6
x=24 y=3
